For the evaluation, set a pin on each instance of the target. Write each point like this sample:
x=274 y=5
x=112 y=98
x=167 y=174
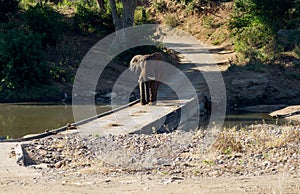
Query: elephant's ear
x=135 y=63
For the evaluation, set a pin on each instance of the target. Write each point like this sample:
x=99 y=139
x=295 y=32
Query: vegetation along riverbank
x=250 y=43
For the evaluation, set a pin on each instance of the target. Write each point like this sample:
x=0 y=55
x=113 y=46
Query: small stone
x=266 y=164
x=238 y=155
x=59 y=164
x=259 y=156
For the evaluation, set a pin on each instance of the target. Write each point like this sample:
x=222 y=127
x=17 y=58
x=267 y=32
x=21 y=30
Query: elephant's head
x=135 y=63
x=146 y=67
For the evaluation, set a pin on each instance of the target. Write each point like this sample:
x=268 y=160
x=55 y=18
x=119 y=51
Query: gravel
x=250 y=151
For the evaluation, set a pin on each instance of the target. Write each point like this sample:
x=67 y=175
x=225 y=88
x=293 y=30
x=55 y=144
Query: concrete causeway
x=135 y=119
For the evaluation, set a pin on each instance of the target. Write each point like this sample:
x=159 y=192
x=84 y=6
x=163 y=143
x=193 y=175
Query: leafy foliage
x=88 y=19
x=8 y=7
x=21 y=60
x=255 y=24
x=47 y=22
x=172 y=20
x=140 y=16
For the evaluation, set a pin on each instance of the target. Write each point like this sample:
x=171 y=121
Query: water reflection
x=17 y=120
x=247 y=118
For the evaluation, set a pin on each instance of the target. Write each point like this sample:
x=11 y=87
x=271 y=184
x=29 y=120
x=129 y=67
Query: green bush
x=47 y=22
x=251 y=66
x=256 y=42
x=21 y=60
x=88 y=19
x=140 y=16
x=255 y=24
x=8 y=7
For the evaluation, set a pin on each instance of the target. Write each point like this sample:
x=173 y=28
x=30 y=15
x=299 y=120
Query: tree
x=100 y=4
x=126 y=19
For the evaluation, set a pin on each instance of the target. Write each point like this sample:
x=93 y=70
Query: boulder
x=290 y=113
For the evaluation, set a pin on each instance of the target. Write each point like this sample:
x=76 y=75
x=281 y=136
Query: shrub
x=140 y=16
x=47 y=22
x=7 y=7
x=172 y=20
x=207 y=21
x=88 y=19
x=159 y=5
x=21 y=60
x=228 y=141
x=255 y=24
x=255 y=42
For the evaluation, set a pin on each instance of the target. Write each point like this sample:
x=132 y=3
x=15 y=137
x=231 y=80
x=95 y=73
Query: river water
x=17 y=120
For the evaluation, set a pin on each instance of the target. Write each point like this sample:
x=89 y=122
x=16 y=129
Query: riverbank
x=258 y=158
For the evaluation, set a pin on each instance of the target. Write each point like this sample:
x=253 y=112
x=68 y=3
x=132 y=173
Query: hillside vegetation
x=43 y=42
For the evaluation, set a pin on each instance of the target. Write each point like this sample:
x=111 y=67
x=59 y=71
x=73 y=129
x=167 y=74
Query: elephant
x=149 y=69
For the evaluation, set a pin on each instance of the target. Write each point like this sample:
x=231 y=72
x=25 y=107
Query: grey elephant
x=150 y=72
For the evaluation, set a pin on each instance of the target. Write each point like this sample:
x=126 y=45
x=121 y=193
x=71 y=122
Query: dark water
x=17 y=120
x=247 y=118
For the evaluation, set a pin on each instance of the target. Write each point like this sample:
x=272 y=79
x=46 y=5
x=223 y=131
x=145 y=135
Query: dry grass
x=258 y=137
x=228 y=141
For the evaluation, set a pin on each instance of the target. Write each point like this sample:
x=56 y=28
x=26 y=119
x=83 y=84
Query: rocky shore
x=247 y=151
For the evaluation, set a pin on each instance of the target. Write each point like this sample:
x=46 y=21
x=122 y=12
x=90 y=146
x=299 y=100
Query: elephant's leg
x=147 y=91
x=144 y=92
x=153 y=94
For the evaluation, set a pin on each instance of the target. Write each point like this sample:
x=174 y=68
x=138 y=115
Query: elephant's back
x=156 y=56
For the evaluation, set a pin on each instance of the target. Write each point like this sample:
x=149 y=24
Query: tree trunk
x=115 y=16
x=120 y=22
x=100 y=4
x=128 y=12
x=127 y=17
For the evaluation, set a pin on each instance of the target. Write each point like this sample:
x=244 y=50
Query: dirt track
x=150 y=184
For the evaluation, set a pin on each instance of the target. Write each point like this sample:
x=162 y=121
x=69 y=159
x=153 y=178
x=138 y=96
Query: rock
x=266 y=164
x=238 y=155
x=290 y=113
x=59 y=164
x=269 y=86
x=249 y=89
x=170 y=154
x=259 y=156
x=19 y=154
